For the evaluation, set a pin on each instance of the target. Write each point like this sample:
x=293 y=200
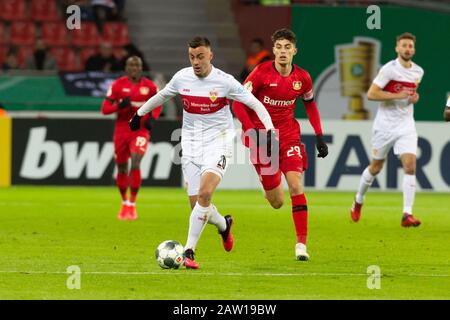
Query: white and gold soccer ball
x=170 y=254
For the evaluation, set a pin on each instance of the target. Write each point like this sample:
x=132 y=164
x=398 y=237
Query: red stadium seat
x=116 y=33
x=44 y=10
x=3 y=39
x=86 y=36
x=55 y=34
x=23 y=53
x=85 y=54
x=118 y=52
x=65 y=58
x=3 y=53
x=22 y=33
x=13 y=10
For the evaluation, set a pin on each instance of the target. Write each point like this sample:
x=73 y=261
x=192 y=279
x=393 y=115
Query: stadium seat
x=44 y=10
x=65 y=58
x=22 y=33
x=116 y=33
x=86 y=36
x=85 y=54
x=3 y=52
x=118 y=52
x=23 y=53
x=2 y=34
x=55 y=34
x=13 y=10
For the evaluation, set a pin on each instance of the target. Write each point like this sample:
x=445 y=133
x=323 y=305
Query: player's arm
x=154 y=102
x=109 y=104
x=154 y=115
x=314 y=116
x=376 y=92
x=242 y=112
x=239 y=93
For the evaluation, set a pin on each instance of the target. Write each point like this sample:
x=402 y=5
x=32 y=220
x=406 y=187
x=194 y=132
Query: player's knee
x=204 y=195
x=276 y=203
x=375 y=168
x=410 y=169
x=295 y=190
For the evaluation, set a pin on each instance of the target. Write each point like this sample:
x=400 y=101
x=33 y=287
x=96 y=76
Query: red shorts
x=128 y=143
x=292 y=157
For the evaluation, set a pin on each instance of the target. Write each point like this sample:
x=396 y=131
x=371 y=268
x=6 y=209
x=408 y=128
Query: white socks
x=217 y=219
x=199 y=216
x=409 y=191
x=364 y=184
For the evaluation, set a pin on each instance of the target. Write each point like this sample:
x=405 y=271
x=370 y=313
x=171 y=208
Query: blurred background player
x=207 y=136
x=278 y=84
x=395 y=87
x=447 y=110
x=124 y=97
x=257 y=54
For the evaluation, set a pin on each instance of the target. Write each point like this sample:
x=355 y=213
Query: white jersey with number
x=207 y=120
x=397 y=115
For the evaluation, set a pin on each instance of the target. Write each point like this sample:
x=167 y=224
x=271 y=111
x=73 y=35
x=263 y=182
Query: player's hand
x=135 y=122
x=124 y=103
x=414 y=98
x=321 y=146
x=148 y=124
x=403 y=94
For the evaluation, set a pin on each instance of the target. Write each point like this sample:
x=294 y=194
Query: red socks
x=300 y=216
x=122 y=184
x=135 y=183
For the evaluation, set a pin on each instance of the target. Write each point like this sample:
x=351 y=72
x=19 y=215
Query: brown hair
x=406 y=35
x=284 y=34
x=199 y=42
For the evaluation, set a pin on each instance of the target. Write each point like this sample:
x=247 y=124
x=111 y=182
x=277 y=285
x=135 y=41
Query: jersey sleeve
x=308 y=94
x=109 y=104
x=383 y=77
x=238 y=92
x=169 y=91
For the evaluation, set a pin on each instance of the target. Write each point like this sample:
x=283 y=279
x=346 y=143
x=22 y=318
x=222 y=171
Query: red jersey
x=139 y=93
x=279 y=95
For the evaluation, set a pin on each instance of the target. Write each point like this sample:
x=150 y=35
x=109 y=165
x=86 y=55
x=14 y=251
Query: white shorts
x=193 y=168
x=382 y=142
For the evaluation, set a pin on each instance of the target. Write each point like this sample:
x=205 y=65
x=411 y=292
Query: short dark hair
x=259 y=41
x=406 y=35
x=284 y=34
x=199 y=41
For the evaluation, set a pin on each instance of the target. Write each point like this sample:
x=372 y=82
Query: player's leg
x=292 y=159
x=273 y=189
x=299 y=213
x=381 y=144
x=137 y=146
x=122 y=185
x=135 y=184
x=406 y=147
x=121 y=155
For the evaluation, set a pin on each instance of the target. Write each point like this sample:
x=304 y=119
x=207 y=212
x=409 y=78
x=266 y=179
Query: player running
x=207 y=136
x=124 y=96
x=278 y=84
x=395 y=87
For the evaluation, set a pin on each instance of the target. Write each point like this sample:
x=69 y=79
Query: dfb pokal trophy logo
x=357 y=66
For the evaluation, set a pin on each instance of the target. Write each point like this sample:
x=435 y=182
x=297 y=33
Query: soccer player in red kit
x=124 y=97
x=278 y=84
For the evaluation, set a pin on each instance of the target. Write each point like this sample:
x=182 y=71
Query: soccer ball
x=170 y=254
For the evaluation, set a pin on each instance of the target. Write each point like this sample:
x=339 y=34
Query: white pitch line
x=232 y=274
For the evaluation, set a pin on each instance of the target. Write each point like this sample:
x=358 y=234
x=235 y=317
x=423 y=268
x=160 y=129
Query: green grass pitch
x=43 y=230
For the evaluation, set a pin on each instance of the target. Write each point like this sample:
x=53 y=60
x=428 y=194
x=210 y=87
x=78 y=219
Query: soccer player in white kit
x=395 y=87
x=206 y=137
